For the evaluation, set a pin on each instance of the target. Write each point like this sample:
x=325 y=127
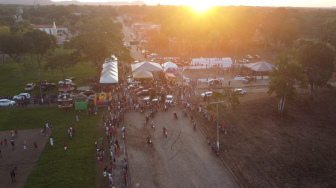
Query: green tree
x=290 y=31
x=4 y=30
x=317 y=60
x=230 y=98
x=283 y=78
x=329 y=31
x=62 y=62
x=39 y=45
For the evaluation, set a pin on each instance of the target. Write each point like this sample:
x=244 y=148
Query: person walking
x=5 y=142
x=24 y=144
x=12 y=174
x=35 y=145
x=65 y=146
x=51 y=142
x=13 y=144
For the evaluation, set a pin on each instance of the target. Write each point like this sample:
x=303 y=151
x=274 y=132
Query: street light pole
x=217 y=122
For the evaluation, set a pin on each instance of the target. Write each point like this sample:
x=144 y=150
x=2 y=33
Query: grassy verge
x=57 y=167
x=10 y=80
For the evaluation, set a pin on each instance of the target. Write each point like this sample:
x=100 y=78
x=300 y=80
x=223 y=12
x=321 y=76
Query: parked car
x=214 y=82
x=22 y=96
x=241 y=91
x=48 y=86
x=30 y=87
x=132 y=81
x=244 y=61
x=88 y=92
x=247 y=79
x=257 y=57
x=169 y=99
x=6 y=102
x=208 y=94
x=67 y=81
x=249 y=57
x=143 y=93
x=144 y=100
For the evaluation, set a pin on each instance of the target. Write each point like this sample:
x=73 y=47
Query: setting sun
x=200 y=7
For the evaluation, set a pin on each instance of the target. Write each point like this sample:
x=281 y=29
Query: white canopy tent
x=225 y=62
x=109 y=74
x=260 y=66
x=170 y=64
x=146 y=66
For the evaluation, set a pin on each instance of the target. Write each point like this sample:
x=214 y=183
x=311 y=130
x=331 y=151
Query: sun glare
x=200 y=7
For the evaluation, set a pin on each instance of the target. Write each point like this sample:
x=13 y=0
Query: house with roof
x=52 y=29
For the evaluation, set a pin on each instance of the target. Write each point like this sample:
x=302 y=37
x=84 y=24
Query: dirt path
x=23 y=159
x=118 y=169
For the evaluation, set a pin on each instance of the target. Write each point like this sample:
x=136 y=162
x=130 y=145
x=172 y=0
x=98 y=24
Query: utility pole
x=217 y=122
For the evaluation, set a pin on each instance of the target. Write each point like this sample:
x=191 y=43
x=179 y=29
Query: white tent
x=109 y=74
x=108 y=79
x=260 y=66
x=146 y=66
x=170 y=64
x=224 y=62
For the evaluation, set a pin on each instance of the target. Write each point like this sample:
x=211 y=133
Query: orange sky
x=300 y=3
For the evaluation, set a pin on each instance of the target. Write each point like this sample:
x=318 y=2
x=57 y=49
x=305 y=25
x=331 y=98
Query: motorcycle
x=149 y=141
x=185 y=113
x=165 y=133
x=207 y=139
x=153 y=127
x=195 y=126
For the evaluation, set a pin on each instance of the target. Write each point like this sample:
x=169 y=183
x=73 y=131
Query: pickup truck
x=48 y=86
x=30 y=87
x=45 y=85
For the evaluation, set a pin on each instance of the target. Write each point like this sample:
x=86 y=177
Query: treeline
x=98 y=38
x=45 y=15
x=212 y=30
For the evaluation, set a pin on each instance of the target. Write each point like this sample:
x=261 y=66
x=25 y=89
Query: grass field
x=57 y=167
x=10 y=81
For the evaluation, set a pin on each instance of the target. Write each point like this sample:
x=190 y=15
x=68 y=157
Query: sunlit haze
x=204 y=4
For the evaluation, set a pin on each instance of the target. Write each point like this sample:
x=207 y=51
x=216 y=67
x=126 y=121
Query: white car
x=67 y=81
x=208 y=94
x=132 y=81
x=241 y=91
x=6 y=102
x=22 y=96
x=169 y=99
x=244 y=61
x=249 y=57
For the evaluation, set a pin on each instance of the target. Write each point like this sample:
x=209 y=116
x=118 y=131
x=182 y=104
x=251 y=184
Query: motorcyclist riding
x=164 y=129
x=185 y=111
x=147 y=118
x=148 y=138
x=175 y=114
x=152 y=123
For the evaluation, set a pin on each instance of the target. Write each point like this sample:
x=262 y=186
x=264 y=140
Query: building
x=52 y=29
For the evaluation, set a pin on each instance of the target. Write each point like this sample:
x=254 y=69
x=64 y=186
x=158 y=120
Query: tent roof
x=147 y=66
x=170 y=75
x=108 y=79
x=259 y=67
x=109 y=71
x=142 y=74
x=110 y=64
x=168 y=69
x=170 y=64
